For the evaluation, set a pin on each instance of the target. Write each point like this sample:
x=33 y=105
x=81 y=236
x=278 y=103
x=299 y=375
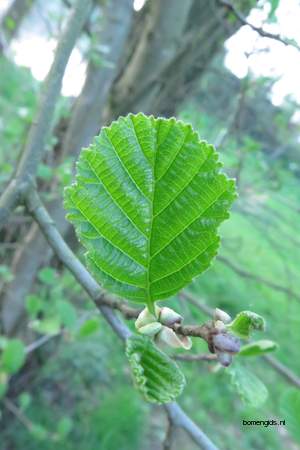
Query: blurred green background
x=75 y=391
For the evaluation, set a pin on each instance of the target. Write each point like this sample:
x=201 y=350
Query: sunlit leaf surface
x=146 y=204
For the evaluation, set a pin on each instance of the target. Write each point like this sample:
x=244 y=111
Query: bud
x=225 y=342
x=224 y=358
x=145 y=317
x=219 y=325
x=222 y=315
x=168 y=336
x=151 y=329
x=169 y=317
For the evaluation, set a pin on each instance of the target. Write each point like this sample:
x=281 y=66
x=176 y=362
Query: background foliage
x=75 y=390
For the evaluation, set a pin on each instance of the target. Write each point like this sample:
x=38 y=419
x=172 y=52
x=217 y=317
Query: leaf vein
x=189 y=224
x=125 y=168
x=104 y=237
x=115 y=201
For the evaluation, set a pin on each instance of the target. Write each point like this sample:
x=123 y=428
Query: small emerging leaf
x=258 y=348
x=245 y=322
x=251 y=389
x=34 y=304
x=13 y=356
x=24 y=400
x=49 y=325
x=39 y=432
x=64 y=426
x=147 y=203
x=3 y=384
x=47 y=276
x=67 y=313
x=156 y=375
x=89 y=327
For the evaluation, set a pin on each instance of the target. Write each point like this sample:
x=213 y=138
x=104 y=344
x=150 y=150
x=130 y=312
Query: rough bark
x=185 y=43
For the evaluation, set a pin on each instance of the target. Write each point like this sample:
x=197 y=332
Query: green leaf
x=24 y=400
x=3 y=342
x=147 y=202
x=44 y=172
x=290 y=411
x=34 y=304
x=6 y=274
x=10 y=23
x=272 y=13
x=67 y=313
x=245 y=322
x=3 y=389
x=251 y=389
x=89 y=327
x=156 y=375
x=258 y=348
x=47 y=276
x=39 y=432
x=13 y=356
x=3 y=384
x=64 y=426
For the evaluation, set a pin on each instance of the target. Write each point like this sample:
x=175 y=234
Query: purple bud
x=224 y=358
x=225 y=342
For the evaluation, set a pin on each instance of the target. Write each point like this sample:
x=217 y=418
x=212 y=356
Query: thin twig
x=195 y=301
x=24 y=420
x=199 y=357
x=181 y=420
x=128 y=312
x=169 y=438
x=283 y=370
x=258 y=30
x=41 y=341
x=18 y=413
x=243 y=273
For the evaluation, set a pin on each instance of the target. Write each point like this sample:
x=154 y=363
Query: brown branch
x=199 y=357
x=260 y=31
x=201 y=331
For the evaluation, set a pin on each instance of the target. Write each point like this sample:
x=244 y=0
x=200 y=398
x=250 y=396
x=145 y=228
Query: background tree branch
x=42 y=124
